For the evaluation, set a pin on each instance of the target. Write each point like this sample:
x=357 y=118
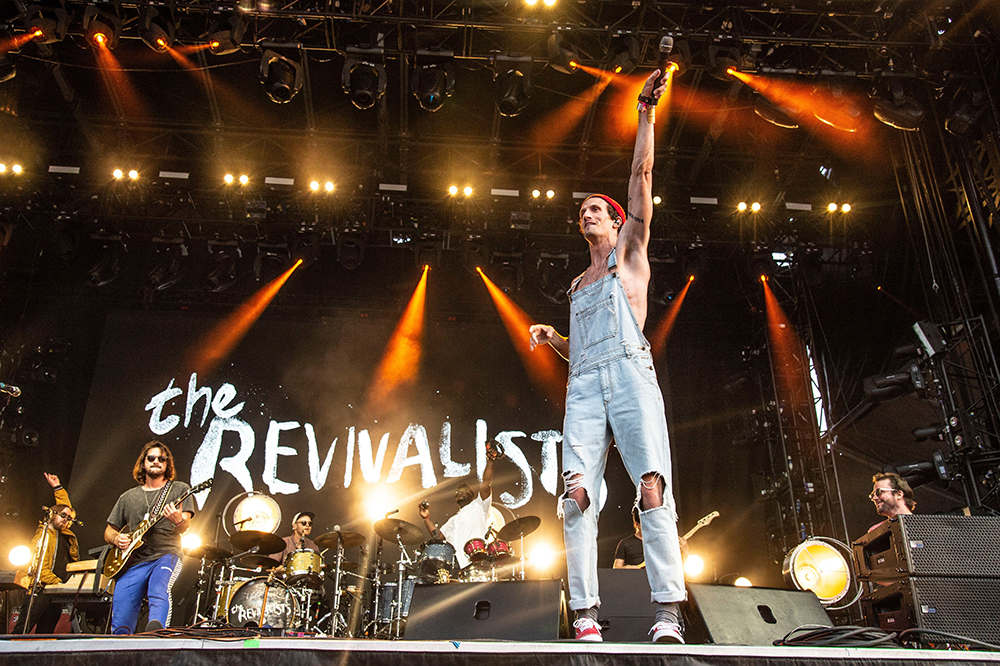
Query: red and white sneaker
x=588 y=630
x=667 y=632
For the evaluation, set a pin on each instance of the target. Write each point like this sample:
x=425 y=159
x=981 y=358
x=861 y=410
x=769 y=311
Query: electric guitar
x=700 y=524
x=117 y=558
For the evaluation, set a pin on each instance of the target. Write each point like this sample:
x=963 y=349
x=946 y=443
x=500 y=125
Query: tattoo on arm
x=635 y=217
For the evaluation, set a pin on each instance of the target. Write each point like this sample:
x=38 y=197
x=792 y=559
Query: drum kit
x=252 y=589
x=249 y=588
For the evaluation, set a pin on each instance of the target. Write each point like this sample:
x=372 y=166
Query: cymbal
x=409 y=534
x=344 y=566
x=349 y=539
x=266 y=542
x=254 y=561
x=516 y=529
x=210 y=553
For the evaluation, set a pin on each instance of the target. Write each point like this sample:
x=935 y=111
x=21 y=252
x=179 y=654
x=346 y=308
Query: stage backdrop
x=284 y=414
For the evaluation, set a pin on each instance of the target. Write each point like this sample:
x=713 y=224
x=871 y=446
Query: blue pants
x=152 y=580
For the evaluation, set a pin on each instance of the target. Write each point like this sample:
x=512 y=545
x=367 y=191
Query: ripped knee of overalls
x=653 y=489
x=575 y=491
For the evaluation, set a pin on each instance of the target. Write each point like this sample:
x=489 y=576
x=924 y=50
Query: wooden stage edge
x=107 y=651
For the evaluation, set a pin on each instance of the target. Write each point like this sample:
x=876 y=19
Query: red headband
x=614 y=204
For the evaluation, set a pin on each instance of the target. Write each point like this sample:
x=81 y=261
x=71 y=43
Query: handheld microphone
x=666 y=46
x=425 y=505
x=10 y=389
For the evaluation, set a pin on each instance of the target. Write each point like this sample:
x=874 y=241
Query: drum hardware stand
x=397 y=606
x=36 y=581
x=520 y=574
x=198 y=615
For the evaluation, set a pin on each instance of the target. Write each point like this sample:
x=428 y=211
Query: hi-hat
x=516 y=529
x=408 y=533
x=254 y=561
x=349 y=539
x=265 y=542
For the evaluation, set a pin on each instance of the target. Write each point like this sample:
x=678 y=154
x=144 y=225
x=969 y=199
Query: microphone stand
x=36 y=582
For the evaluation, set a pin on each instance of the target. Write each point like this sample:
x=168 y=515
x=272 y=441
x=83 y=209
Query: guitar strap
x=161 y=501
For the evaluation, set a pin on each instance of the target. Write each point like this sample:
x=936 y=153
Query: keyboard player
x=54 y=546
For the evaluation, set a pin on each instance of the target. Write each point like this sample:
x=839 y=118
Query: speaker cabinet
x=963 y=606
x=626 y=613
x=917 y=545
x=530 y=610
x=729 y=615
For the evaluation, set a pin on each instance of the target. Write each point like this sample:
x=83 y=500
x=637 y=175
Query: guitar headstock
x=204 y=485
x=707 y=519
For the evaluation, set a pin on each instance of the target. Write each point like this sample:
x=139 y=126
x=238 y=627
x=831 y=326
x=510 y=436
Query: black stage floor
x=157 y=651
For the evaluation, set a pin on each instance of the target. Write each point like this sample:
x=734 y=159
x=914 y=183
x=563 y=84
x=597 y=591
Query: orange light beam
x=118 y=82
x=556 y=125
x=544 y=366
x=624 y=118
x=666 y=325
x=401 y=361
x=787 y=352
x=223 y=338
x=17 y=41
x=183 y=60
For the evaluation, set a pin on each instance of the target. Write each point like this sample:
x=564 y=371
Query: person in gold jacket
x=60 y=548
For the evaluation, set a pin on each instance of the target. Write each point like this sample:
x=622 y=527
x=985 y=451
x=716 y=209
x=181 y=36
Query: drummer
x=302 y=525
x=473 y=512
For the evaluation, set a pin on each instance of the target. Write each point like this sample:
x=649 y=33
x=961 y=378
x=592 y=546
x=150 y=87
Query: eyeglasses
x=155 y=458
x=65 y=516
x=304 y=524
x=878 y=491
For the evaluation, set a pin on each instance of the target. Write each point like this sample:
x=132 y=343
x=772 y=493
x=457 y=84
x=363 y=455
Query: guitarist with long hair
x=152 y=568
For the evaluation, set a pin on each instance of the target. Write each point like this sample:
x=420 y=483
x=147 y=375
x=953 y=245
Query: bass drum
x=281 y=608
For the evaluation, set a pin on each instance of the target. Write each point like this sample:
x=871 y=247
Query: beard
x=156 y=473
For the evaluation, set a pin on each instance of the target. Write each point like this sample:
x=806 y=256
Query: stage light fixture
x=281 y=76
x=133 y=174
x=222 y=267
x=741 y=206
x=909 y=378
x=536 y=193
x=818 y=566
x=170 y=269
x=924 y=471
x=244 y=179
x=47 y=25
x=16 y=169
x=550 y=194
x=657 y=200
x=228 y=179
x=549 y=3
x=968 y=105
x=835 y=105
x=256 y=511
x=109 y=266
x=190 y=542
x=755 y=206
x=832 y=207
x=117 y=174
x=225 y=38
x=623 y=58
x=363 y=76
x=156 y=30
x=433 y=78
x=779 y=116
x=329 y=186
x=19 y=556
x=531 y=3
x=512 y=83
x=103 y=29
x=694 y=566
x=3 y=168
x=742 y=581
x=846 y=208
x=543 y=557
x=467 y=191
x=763 y=266
x=723 y=61
x=897 y=109
x=350 y=250
x=8 y=70
x=314 y=186
x=562 y=56
x=680 y=58
x=553 y=276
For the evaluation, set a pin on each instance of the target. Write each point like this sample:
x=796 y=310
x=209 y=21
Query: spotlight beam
x=401 y=361
x=666 y=325
x=221 y=340
x=545 y=368
x=557 y=124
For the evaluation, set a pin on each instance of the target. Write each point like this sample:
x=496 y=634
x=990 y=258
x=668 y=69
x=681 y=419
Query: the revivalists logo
x=174 y=408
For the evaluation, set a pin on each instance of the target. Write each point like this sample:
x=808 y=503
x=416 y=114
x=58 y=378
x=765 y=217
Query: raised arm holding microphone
x=613 y=392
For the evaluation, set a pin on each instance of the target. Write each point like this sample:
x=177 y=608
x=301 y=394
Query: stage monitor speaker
x=918 y=545
x=530 y=610
x=963 y=606
x=729 y=615
x=626 y=613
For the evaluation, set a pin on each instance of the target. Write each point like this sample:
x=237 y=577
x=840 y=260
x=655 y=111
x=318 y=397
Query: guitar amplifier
x=961 y=606
x=918 y=545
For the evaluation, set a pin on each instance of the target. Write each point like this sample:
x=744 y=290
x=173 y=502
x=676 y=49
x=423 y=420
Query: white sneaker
x=588 y=630
x=667 y=632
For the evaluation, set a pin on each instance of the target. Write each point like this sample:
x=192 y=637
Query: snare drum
x=304 y=567
x=281 y=608
x=499 y=551
x=476 y=550
x=436 y=556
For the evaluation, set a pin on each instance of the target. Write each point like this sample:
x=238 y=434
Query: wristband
x=648 y=100
x=642 y=106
